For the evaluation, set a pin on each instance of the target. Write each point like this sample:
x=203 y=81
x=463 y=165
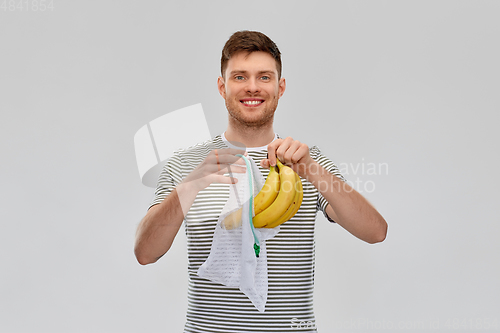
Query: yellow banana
x=262 y=200
x=269 y=191
x=283 y=200
x=294 y=206
x=301 y=196
x=233 y=220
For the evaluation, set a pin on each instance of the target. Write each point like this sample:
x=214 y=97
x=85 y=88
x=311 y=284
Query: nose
x=252 y=86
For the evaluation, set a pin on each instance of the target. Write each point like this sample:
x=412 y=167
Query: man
x=194 y=186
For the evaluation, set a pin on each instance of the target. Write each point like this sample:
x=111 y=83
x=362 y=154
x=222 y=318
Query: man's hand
x=158 y=228
x=345 y=205
x=291 y=152
x=214 y=166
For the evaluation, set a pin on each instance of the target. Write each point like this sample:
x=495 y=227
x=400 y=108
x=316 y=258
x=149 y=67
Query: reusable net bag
x=238 y=255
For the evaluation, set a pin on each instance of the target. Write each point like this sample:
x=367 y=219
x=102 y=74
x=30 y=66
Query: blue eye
x=239 y=77
x=266 y=78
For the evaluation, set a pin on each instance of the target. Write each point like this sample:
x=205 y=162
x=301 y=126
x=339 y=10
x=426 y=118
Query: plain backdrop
x=402 y=95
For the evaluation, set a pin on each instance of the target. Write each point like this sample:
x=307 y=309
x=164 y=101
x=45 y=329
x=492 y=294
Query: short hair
x=249 y=41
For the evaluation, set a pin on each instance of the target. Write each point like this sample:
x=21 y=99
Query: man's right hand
x=214 y=167
x=158 y=228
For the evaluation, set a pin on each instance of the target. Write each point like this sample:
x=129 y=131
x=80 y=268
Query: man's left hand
x=290 y=152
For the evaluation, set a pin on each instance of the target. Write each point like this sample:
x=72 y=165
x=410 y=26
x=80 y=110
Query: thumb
x=265 y=163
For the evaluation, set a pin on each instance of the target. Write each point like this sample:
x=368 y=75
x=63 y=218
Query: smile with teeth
x=252 y=102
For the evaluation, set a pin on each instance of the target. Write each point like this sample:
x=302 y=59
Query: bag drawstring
x=256 y=244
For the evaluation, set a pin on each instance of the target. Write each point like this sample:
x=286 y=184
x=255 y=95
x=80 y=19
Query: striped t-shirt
x=215 y=308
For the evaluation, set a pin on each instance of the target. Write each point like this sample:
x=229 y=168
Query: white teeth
x=252 y=102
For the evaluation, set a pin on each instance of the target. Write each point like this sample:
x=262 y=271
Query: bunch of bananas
x=277 y=202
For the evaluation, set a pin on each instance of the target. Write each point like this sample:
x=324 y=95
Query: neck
x=250 y=136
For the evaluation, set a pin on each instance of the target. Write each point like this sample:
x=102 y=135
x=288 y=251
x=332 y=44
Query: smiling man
x=251 y=86
x=194 y=187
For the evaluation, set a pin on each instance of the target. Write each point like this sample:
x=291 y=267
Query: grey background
x=410 y=85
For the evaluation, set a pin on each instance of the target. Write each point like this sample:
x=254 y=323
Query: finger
x=288 y=154
x=223 y=170
x=225 y=179
x=229 y=151
x=265 y=163
x=301 y=152
x=217 y=159
x=280 y=152
x=212 y=166
x=226 y=156
x=231 y=159
x=271 y=151
x=229 y=169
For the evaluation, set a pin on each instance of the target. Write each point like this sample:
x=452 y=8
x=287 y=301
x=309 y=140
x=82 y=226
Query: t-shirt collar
x=253 y=149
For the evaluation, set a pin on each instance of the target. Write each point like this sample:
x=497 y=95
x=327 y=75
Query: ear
x=281 y=87
x=221 y=86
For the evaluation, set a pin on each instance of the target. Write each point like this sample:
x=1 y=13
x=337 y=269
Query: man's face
x=251 y=88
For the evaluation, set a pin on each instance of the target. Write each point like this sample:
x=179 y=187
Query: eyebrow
x=245 y=72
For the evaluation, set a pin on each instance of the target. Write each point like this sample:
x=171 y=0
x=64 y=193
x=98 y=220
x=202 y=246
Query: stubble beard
x=255 y=120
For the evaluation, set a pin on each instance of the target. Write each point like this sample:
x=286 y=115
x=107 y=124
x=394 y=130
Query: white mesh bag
x=238 y=256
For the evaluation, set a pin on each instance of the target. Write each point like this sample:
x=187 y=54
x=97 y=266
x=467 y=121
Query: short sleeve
x=169 y=177
x=326 y=163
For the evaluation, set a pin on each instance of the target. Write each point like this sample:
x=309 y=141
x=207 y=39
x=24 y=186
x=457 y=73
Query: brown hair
x=249 y=41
